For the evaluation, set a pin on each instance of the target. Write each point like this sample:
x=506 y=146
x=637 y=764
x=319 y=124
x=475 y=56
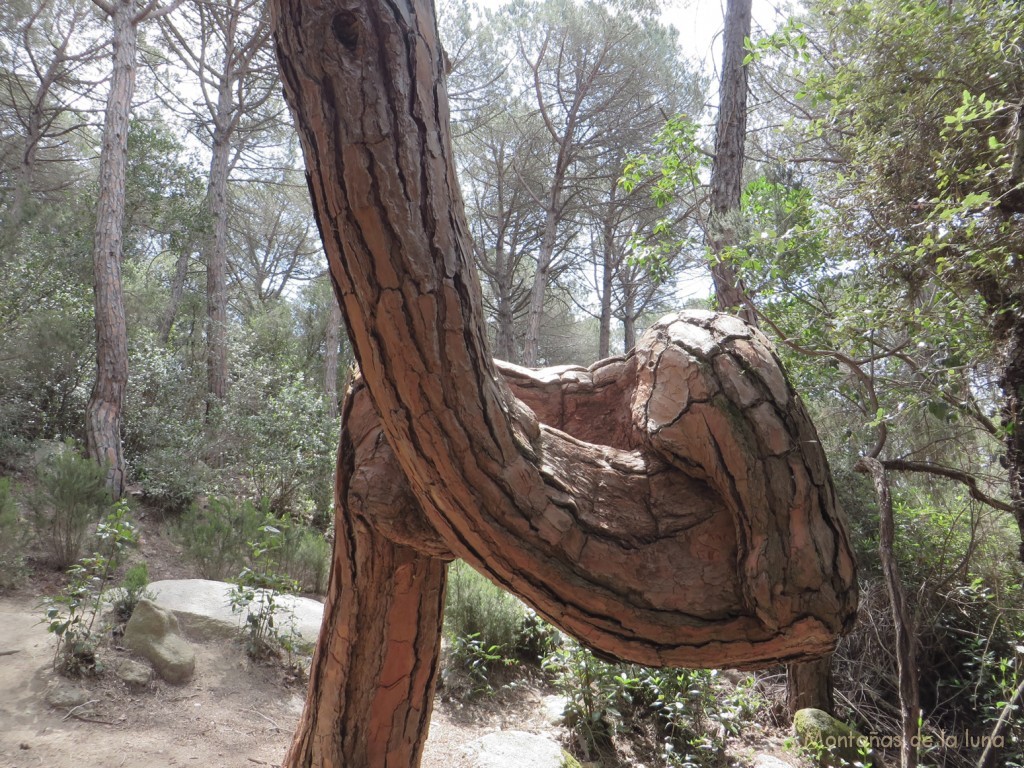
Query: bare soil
x=234 y=713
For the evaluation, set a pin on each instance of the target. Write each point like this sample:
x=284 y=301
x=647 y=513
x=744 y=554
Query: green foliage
x=694 y=711
x=71 y=615
x=70 y=497
x=304 y=554
x=216 y=536
x=269 y=629
x=12 y=538
x=488 y=629
x=133 y=587
x=594 y=694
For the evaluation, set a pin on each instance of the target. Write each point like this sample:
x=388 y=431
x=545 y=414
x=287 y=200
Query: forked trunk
x=672 y=507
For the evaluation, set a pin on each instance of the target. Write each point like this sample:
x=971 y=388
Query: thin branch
x=926 y=467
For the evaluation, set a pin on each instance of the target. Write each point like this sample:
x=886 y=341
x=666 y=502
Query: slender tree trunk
x=672 y=507
x=505 y=336
x=103 y=412
x=333 y=348
x=629 y=313
x=215 y=251
x=538 y=290
x=1012 y=383
x=906 y=643
x=177 y=293
x=607 y=278
x=727 y=168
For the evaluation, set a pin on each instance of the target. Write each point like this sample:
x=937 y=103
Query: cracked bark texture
x=671 y=507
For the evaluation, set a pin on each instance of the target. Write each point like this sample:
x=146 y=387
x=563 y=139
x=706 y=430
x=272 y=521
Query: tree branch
x=926 y=467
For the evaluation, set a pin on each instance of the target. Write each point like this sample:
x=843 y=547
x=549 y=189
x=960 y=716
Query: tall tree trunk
x=727 y=167
x=333 y=348
x=672 y=507
x=505 y=336
x=215 y=250
x=608 y=267
x=103 y=411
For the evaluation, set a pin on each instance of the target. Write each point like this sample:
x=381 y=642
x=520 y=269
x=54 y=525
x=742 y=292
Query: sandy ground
x=233 y=714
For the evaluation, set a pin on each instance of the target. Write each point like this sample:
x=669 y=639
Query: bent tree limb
x=671 y=508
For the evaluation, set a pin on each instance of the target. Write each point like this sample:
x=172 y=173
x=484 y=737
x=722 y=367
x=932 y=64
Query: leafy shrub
x=477 y=608
x=255 y=592
x=164 y=426
x=71 y=496
x=594 y=693
x=71 y=615
x=217 y=537
x=133 y=588
x=305 y=555
x=12 y=561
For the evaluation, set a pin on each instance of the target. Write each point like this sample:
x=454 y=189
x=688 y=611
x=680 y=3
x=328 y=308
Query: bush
x=477 y=608
x=305 y=555
x=12 y=562
x=488 y=629
x=133 y=588
x=71 y=615
x=217 y=538
x=69 y=500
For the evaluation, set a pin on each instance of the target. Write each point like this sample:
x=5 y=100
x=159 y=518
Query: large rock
x=204 y=608
x=833 y=742
x=153 y=632
x=513 y=749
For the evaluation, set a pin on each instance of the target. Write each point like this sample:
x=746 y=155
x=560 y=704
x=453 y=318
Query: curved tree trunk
x=672 y=507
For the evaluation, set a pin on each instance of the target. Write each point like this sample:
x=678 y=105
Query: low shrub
x=133 y=587
x=216 y=537
x=12 y=538
x=71 y=615
x=70 y=498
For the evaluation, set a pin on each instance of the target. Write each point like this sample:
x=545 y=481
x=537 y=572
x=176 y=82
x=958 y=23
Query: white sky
x=700 y=26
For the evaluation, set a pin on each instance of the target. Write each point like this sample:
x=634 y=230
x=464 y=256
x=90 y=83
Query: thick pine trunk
x=672 y=507
x=103 y=411
x=373 y=676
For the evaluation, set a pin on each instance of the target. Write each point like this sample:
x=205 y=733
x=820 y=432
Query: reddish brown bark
x=672 y=507
x=373 y=675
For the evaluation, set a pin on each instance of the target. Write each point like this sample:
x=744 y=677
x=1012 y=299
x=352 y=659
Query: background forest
x=877 y=239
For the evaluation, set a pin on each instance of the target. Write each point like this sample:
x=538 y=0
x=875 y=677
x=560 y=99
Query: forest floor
x=234 y=713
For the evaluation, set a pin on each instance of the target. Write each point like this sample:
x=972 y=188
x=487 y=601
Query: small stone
x=23 y=745
x=135 y=674
x=835 y=741
x=65 y=696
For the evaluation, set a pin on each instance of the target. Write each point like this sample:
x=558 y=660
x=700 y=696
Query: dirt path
x=233 y=714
